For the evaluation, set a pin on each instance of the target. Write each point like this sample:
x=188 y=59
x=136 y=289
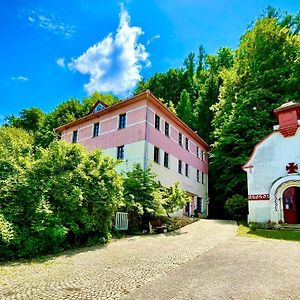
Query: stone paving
x=113 y=270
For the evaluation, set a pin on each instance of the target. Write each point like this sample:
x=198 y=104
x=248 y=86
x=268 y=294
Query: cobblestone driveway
x=113 y=270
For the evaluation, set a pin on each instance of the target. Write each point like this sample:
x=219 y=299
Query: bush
x=145 y=198
x=237 y=207
x=63 y=196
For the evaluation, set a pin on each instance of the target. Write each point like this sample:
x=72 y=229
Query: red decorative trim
x=259 y=197
x=288 y=130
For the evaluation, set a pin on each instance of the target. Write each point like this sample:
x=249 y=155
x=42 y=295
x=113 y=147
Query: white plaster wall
x=168 y=176
x=259 y=211
x=269 y=161
x=134 y=153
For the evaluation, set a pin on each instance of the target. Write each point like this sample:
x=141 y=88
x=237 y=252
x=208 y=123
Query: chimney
x=287 y=115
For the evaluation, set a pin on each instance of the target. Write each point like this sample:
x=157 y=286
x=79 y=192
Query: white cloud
x=19 y=78
x=61 y=62
x=114 y=63
x=157 y=36
x=49 y=22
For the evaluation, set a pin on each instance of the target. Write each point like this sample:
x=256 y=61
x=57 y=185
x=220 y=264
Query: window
x=179 y=166
x=157 y=122
x=199 y=204
x=156 y=155
x=120 y=152
x=167 y=127
x=202 y=177
x=198 y=152
x=202 y=155
x=186 y=170
x=166 y=160
x=74 y=136
x=122 y=121
x=187 y=209
x=186 y=144
x=198 y=175
x=180 y=139
x=99 y=107
x=96 y=129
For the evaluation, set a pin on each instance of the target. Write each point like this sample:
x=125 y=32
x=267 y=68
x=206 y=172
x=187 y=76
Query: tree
x=174 y=198
x=141 y=192
x=167 y=86
x=31 y=119
x=237 y=207
x=60 y=197
x=184 y=108
x=265 y=74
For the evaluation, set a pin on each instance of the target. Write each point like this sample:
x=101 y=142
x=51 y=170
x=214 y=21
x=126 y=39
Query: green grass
x=288 y=235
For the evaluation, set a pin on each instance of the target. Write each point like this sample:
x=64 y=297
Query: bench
x=157 y=226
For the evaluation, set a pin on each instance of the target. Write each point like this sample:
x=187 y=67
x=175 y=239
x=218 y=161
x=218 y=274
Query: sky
x=53 y=50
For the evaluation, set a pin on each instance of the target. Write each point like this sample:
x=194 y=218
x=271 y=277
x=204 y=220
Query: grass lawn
x=288 y=235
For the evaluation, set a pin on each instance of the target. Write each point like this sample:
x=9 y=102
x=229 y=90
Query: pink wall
x=171 y=146
x=116 y=138
x=159 y=139
x=110 y=136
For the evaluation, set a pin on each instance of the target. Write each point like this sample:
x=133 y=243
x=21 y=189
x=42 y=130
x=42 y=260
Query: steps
x=295 y=227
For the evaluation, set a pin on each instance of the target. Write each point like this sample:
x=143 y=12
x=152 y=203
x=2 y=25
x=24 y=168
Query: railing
x=121 y=221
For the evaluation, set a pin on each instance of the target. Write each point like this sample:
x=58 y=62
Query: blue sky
x=53 y=50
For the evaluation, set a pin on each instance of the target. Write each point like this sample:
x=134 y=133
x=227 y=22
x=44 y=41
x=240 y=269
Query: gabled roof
x=142 y=96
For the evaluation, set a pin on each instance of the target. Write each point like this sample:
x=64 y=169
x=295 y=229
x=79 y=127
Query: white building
x=272 y=171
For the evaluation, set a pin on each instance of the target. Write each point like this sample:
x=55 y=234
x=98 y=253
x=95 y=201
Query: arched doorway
x=277 y=207
x=291 y=205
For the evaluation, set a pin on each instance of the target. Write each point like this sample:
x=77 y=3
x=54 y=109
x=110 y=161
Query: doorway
x=291 y=205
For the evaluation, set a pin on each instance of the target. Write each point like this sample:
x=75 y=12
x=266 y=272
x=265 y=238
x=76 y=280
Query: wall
x=110 y=136
x=269 y=161
x=168 y=176
x=137 y=150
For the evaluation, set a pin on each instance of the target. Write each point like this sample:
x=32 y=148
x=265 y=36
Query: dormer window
x=99 y=107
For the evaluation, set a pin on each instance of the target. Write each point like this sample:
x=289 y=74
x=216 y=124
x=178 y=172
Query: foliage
x=174 y=198
x=237 y=207
x=145 y=198
x=265 y=74
x=60 y=197
x=174 y=223
x=166 y=86
x=184 y=108
x=141 y=192
x=288 y=235
x=42 y=125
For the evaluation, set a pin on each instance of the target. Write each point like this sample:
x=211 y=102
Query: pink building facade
x=142 y=130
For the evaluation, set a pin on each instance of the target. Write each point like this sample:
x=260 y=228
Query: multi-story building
x=142 y=130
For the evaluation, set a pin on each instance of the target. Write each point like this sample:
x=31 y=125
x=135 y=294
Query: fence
x=121 y=221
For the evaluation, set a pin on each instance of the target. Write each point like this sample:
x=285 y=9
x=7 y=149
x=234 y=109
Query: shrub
x=62 y=197
x=237 y=207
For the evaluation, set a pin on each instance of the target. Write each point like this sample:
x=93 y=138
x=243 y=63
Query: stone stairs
x=295 y=227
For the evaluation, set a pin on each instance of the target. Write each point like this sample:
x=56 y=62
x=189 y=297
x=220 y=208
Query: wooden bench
x=157 y=226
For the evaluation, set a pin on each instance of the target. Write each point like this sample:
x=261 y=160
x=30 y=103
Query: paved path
x=204 y=260
x=113 y=270
x=240 y=269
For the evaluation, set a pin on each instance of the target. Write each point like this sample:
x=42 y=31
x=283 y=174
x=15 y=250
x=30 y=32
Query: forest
x=228 y=98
